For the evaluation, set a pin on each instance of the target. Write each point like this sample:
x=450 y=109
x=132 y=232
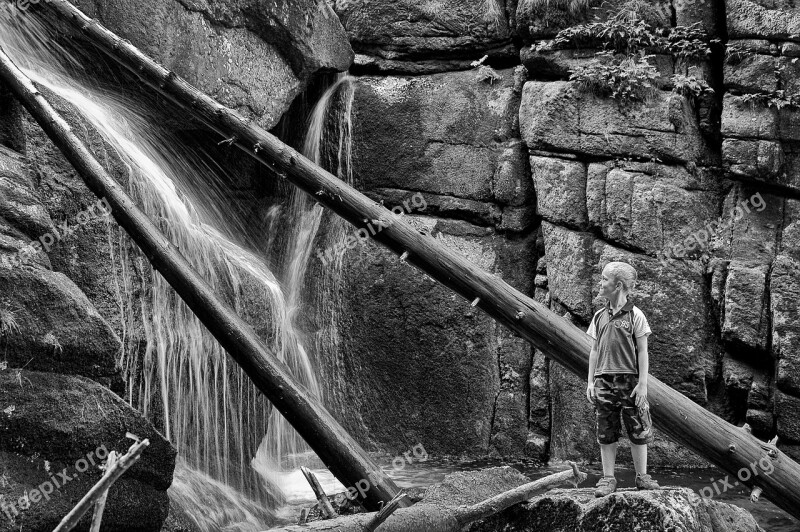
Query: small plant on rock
x=691 y=87
x=8 y=322
x=51 y=340
x=777 y=99
x=627 y=80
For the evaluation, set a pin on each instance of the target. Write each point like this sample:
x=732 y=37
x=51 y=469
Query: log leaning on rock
x=675 y=414
x=436 y=518
x=340 y=452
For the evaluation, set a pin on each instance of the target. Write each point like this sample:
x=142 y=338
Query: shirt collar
x=625 y=308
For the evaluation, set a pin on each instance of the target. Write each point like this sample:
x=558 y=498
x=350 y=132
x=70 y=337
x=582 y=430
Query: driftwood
x=316 y=487
x=383 y=515
x=673 y=413
x=338 y=450
x=436 y=518
x=100 y=505
x=100 y=489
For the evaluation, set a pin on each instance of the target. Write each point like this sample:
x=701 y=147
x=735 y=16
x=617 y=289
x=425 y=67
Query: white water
x=237 y=455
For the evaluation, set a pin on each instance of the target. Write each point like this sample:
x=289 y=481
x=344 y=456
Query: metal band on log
x=673 y=413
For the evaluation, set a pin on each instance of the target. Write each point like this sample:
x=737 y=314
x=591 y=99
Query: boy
x=618 y=367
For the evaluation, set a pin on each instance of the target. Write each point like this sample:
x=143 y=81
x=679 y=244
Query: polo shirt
x=616 y=338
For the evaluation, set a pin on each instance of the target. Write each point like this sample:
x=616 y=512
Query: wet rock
x=19 y=204
x=464 y=141
x=456 y=383
x=408 y=30
x=50 y=422
x=52 y=326
x=557 y=116
x=579 y=510
x=746 y=322
x=252 y=56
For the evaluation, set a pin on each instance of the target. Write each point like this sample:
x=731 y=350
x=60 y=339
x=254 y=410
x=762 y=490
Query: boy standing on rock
x=618 y=367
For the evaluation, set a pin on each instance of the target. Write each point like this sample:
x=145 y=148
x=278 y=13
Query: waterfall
x=233 y=446
x=282 y=452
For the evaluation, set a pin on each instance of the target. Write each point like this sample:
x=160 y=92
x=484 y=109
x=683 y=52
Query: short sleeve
x=640 y=325
x=592 y=330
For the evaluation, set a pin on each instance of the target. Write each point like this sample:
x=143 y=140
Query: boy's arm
x=640 y=391
x=590 y=393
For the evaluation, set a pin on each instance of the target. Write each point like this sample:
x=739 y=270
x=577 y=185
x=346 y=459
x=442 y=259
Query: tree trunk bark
x=340 y=452
x=673 y=413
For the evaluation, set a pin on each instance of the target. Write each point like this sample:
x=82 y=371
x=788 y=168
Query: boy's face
x=607 y=284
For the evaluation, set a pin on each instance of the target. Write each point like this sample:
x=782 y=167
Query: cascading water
x=181 y=378
x=334 y=108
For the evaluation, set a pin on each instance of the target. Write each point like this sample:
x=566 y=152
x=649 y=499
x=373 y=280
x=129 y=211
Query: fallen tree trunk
x=727 y=446
x=437 y=518
x=340 y=452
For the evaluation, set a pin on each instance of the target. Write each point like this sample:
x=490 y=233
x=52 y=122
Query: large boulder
x=558 y=116
x=48 y=324
x=253 y=56
x=20 y=206
x=55 y=431
x=451 y=136
x=414 y=363
x=409 y=30
x=626 y=509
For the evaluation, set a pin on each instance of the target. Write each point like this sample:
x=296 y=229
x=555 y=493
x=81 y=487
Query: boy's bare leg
x=608 y=454
x=639 y=454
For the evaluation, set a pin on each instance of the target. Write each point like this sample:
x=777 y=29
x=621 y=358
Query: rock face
x=255 y=57
x=579 y=510
x=449 y=139
x=407 y=35
x=50 y=422
x=62 y=308
x=46 y=322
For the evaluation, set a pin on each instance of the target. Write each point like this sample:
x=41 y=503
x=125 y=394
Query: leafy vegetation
x=777 y=99
x=8 y=322
x=627 y=79
x=573 y=7
x=628 y=40
x=691 y=87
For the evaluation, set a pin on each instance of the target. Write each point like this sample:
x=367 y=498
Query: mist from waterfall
x=234 y=448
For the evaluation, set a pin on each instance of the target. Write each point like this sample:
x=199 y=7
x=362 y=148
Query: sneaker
x=605 y=486
x=646 y=482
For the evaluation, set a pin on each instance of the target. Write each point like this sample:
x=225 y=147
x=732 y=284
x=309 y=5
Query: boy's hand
x=640 y=393
x=591 y=393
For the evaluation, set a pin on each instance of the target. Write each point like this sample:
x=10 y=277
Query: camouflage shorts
x=613 y=397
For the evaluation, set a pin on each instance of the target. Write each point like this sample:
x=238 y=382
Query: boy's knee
x=605 y=439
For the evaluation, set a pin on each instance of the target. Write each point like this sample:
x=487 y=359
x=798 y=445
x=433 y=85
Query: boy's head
x=617 y=276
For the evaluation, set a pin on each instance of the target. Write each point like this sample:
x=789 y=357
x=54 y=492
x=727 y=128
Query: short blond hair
x=624 y=273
